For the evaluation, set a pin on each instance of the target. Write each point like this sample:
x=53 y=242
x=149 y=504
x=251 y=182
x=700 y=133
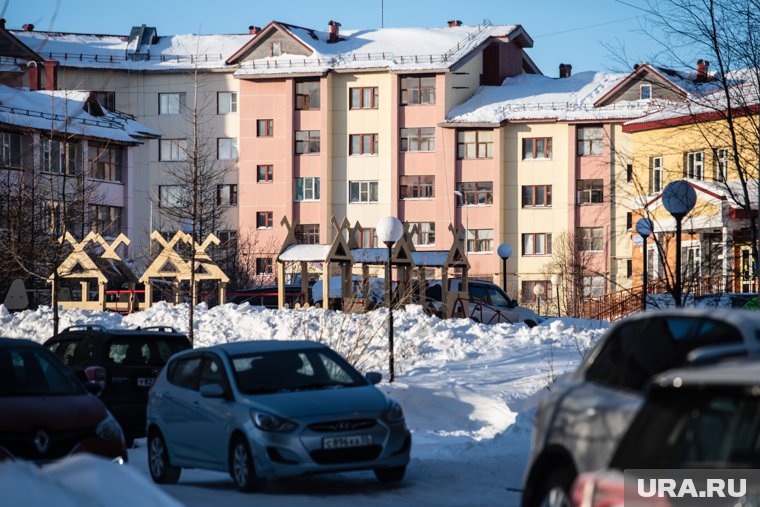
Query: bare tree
x=573 y=264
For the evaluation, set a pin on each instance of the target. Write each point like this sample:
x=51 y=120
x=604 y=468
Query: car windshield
x=30 y=372
x=294 y=370
x=694 y=428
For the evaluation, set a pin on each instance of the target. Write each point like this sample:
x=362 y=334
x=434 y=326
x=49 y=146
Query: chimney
x=34 y=75
x=703 y=67
x=334 y=28
x=454 y=22
x=51 y=75
x=254 y=30
x=28 y=27
x=565 y=70
x=2 y=22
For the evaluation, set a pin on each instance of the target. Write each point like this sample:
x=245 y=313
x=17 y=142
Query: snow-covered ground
x=468 y=390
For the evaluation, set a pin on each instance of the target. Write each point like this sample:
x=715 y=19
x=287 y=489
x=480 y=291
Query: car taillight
x=96 y=374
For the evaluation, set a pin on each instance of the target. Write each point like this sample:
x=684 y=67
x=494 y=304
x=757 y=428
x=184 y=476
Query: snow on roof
x=63 y=111
x=370 y=255
x=395 y=49
x=305 y=253
x=537 y=97
x=430 y=258
x=170 y=52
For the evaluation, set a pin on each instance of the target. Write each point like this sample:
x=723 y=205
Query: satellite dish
x=679 y=198
x=504 y=251
x=644 y=227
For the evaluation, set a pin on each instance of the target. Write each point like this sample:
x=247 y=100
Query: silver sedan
x=267 y=409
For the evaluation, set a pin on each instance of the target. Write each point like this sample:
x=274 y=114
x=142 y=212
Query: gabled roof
x=12 y=47
x=272 y=27
x=635 y=75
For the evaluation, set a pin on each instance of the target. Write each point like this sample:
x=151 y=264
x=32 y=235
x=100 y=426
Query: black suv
x=125 y=362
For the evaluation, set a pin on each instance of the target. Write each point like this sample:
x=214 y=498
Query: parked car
x=47 y=413
x=267 y=409
x=700 y=418
x=125 y=362
x=486 y=302
x=582 y=418
x=266 y=296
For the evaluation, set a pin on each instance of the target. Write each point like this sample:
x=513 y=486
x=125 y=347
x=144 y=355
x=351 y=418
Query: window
x=691 y=266
x=590 y=191
x=537 y=148
x=655 y=175
x=107 y=100
x=172 y=196
x=629 y=268
x=425 y=235
x=593 y=286
x=366 y=238
x=475 y=193
x=264 y=173
x=536 y=196
x=363 y=98
x=226 y=148
x=474 y=144
x=172 y=150
x=264 y=128
x=362 y=144
x=421 y=139
x=479 y=240
x=226 y=195
x=645 y=91
x=307 y=234
x=695 y=165
x=105 y=220
x=226 y=102
x=629 y=173
x=417 y=90
x=263 y=219
x=592 y=239
x=264 y=266
x=185 y=373
x=59 y=156
x=276 y=48
x=527 y=286
x=362 y=191
x=104 y=161
x=629 y=220
x=537 y=243
x=307 y=141
x=590 y=141
x=10 y=150
x=171 y=103
x=416 y=187
x=307 y=94
x=307 y=189
x=721 y=164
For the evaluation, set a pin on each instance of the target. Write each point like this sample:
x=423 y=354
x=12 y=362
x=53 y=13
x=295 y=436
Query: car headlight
x=272 y=423
x=394 y=413
x=108 y=428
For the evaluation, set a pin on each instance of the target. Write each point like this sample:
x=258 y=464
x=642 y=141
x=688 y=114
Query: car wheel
x=530 y=323
x=161 y=470
x=241 y=466
x=555 y=490
x=391 y=474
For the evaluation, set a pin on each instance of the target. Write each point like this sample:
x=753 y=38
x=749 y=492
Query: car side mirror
x=513 y=303
x=94 y=388
x=374 y=377
x=212 y=391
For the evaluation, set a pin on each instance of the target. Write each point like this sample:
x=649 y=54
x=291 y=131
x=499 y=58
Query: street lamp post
x=678 y=198
x=504 y=251
x=556 y=280
x=389 y=230
x=644 y=228
x=538 y=290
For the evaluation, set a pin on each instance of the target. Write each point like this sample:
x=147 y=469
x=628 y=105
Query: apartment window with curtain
x=418 y=139
x=307 y=189
x=362 y=144
x=171 y=103
x=226 y=195
x=172 y=150
x=590 y=141
x=307 y=234
x=264 y=173
x=655 y=175
x=362 y=191
x=537 y=148
x=307 y=141
x=105 y=161
x=264 y=220
x=474 y=144
x=695 y=167
x=479 y=240
x=226 y=148
x=536 y=196
x=307 y=94
x=536 y=243
x=720 y=157
x=592 y=239
x=416 y=187
x=366 y=237
x=265 y=128
x=589 y=191
x=475 y=193
x=226 y=102
x=56 y=156
x=363 y=98
x=417 y=90
x=105 y=220
x=424 y=235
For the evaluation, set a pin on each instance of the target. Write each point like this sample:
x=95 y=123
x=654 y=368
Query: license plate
x=145 y=381
x=343 y=442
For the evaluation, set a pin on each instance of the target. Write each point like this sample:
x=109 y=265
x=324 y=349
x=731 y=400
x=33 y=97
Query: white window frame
x=686 y=247
x=226 y=148
x=695 y=165
x=721 y=164
x=171 y=103
x=363 y=191
x=656 y=174
x=172 y=150
x=226 y=102
x=648 y=87
x=309 y=189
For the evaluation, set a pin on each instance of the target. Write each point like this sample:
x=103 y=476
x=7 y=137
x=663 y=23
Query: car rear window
x=142 y=351
x=30 y=372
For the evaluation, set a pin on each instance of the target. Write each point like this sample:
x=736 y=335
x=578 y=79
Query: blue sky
x=589 y=34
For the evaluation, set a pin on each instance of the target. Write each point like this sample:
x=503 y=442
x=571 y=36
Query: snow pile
x=77 y=481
